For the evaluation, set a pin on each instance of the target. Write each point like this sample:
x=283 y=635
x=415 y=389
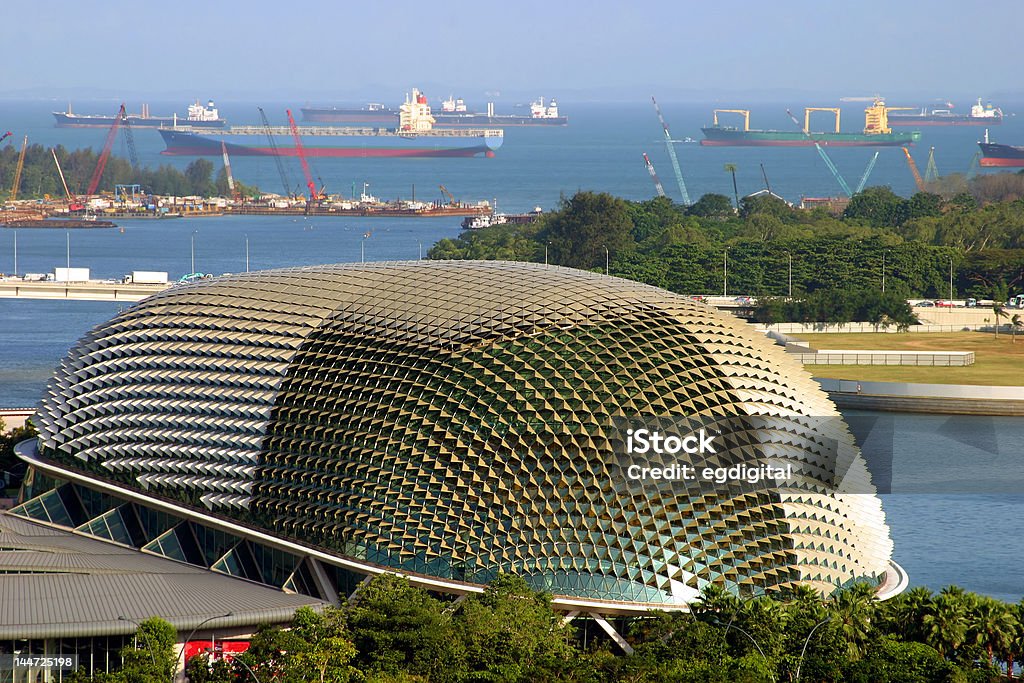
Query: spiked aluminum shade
x=455 y=420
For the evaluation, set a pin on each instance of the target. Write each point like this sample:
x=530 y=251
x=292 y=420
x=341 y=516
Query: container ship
x=876 y=132
x=198 y=117
x=980 y=115
x=371 y=113
x=454 y=113
x=415 y=136
x=1000 y=156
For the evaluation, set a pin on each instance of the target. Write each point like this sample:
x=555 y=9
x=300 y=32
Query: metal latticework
x=457 y=419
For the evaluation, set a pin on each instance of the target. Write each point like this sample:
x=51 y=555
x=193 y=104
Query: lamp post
x=67 y=235
x=751 y=638
x=149 y=644
x=883 y=271
x=421 y=250
x=247 y=253
x=806 y=641
x=193 y=252
x=950 y=279
x=251 y=672
x=207 y=620
x=546 y=252
x=605 y=259
x=725 y=272
x=15 y=252
x=790 y=257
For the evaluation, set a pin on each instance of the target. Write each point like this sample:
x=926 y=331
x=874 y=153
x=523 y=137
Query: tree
x=879 y=206
x=711 y=205
x=999 y=295
x=852 y=610
x=992 y=626
x=327 y=649
x=585 y=226
x=1015 y=324
x=945 y=624
x=152 y=655
x=199 y=176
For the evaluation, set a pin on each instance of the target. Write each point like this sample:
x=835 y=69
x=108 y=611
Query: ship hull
x=1001 y=156
x=933 y=120
x=731 y=137
x=382 y=144
x=65 y=120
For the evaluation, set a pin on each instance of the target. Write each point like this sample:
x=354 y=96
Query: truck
x=146 y=277
x=71 y=274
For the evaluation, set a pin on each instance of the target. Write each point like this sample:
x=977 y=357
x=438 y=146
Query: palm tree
x=731 y=168
x=1015 y=324
x=852 y=610
x=945 y=624
x=999 y=294
x=992 y=626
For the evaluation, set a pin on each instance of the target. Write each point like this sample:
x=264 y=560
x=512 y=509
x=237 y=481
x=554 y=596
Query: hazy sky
x=601 y=49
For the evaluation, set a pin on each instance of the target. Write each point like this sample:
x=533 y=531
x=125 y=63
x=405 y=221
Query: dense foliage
x=11 y=468
x=767 y=246
x=39 y=177
x=393 y=631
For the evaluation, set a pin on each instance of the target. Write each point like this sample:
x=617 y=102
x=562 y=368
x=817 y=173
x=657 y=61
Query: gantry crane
x=277 y=154
x=918 y=180
x=824 y=157
x=654 y=176
x=670 y=145
x=300 y=151
x=17 y=170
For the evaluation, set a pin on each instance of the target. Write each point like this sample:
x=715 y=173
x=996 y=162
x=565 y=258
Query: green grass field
x=997 y=362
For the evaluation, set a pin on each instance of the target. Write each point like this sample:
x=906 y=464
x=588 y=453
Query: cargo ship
x=876 y=132
x=1000 y=156
x=980 y=115
x=198 y=117
x=415 y=136
x=455 y=113
x=371 y=113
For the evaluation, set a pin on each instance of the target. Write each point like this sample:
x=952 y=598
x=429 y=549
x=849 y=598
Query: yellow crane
x=913 y=169
x=807 y=116
x=745 y=112
x=451 y=199
x=18 y=169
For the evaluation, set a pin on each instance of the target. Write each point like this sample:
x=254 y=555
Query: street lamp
x=421 y=250
x=751 y=638
x=806 y=641
x=883 y=270
x=790 y=257
x=193 y=252
x=950 y=280
x=725 y=272
x=605 y=259
x=247 y=253
x=251 y=672
x=67 y=234
x=149 y=644
x=185 y=643
x=15 y=252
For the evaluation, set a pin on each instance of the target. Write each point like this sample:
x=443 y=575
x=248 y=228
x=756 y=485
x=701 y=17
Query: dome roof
x=457 y=419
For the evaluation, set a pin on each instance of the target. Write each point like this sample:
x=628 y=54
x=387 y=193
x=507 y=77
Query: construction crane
x=670 y=145
x=918 y=180
x=451 y=199
x=301 y=152
x=227 y=171
x=654 y=176
x=824 y=157
x=931 y=172
x=18 y=169
x=73 y=203
x=277 y=155
x=867 y=172
x=5 y=136
x=101 y=163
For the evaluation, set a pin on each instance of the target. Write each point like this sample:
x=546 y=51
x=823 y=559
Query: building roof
x=55 y=583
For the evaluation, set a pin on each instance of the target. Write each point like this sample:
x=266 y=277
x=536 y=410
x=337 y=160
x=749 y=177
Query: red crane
x=301 y=152
x=105 y=154
x=5 y=136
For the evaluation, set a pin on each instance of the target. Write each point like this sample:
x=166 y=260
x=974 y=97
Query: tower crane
x=670 y=145
x=654 y=176
x=277 y=154
x=301 y=152
x=101 y=163
x=17 y=170
x=918 y=180
x=824 y=157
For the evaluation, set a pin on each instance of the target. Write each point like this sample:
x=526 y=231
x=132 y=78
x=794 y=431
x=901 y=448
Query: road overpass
x=78 y=291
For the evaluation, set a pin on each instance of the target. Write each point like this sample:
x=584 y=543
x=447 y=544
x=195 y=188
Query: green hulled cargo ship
x=876 y=132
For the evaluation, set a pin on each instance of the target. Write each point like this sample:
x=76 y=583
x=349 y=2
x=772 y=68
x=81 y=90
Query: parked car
x=743 y=300
x=942 y=303
x=925 y=304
